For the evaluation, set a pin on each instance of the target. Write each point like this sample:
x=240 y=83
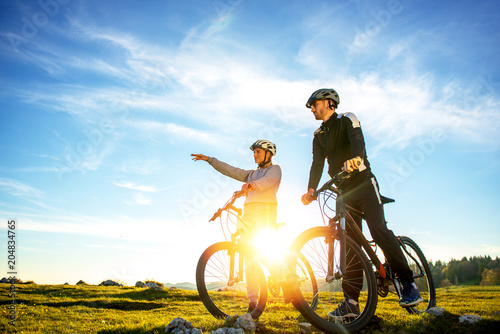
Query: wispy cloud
x=488 y=249
x=176 y=131
x=117 y=227
x=120 y=246
x=187 y=79
x=133 y=186
x=20 y=189
x=139 y=199
x=401 y=110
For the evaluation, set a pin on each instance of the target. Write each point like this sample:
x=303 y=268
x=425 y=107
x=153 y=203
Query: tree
x=491 y=277
x=444 y=283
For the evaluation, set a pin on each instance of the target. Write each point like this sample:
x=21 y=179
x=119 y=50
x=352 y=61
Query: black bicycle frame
x=341 y=220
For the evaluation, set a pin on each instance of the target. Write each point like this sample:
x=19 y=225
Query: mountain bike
x=336 y=256
x=220 y=273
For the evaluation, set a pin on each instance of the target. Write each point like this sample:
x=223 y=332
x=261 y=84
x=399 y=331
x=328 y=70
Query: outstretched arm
x=226 y=169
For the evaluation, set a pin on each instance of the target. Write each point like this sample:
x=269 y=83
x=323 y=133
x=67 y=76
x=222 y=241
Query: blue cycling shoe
x=410 y=296
x=347 y=309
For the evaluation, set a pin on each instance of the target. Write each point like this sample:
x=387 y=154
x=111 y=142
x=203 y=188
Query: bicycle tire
x=221 y=298
x=313 y=244
x=307 y=281
x=421 y=275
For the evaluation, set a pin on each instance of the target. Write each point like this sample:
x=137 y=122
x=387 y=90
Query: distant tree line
x=473 y=270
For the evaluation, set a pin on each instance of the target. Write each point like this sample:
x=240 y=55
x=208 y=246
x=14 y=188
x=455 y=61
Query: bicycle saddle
x=386 y=200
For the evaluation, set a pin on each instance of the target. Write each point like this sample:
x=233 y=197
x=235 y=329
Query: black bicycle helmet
x=323 y=94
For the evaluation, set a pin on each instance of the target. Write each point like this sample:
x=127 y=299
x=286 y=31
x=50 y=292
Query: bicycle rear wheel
x=421 y=275
x=316 y=244
x=221 y=296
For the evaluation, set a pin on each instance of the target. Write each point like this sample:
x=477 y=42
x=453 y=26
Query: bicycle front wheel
x=321 y=248
x=224 y=292
x=305 y=279
x=421 y=275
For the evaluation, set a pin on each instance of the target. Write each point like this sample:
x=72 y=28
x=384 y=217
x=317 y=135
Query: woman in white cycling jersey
x=260 y=208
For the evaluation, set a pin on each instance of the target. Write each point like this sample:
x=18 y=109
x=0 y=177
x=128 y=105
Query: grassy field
x=97 y=309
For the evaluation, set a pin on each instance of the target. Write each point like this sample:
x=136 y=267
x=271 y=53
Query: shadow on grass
x=180 y=295
x=99 y=304
x=127 y=299
x=112 y=292
x=261 y=328
x=445 y=324
x=155 y=330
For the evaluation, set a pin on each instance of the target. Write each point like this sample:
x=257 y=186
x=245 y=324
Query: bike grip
x=240 y=193
x=216 y=215
x=306 y=200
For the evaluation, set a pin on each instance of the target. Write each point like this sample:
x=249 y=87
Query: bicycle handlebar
x=337 y=178
x=216 y=215
x=229 y=205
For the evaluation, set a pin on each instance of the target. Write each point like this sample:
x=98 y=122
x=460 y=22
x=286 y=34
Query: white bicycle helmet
x=266 y=145
x=323 y=94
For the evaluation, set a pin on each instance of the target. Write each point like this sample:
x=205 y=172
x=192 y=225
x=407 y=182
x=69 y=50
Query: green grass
x=110 y=310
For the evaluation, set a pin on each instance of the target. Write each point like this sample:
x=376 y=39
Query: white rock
x=305 y=327
x=436 y=311
x=469 y=318
x=246 y=322
x=140 y=284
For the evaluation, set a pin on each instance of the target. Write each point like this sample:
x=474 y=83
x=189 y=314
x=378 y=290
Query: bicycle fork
x=234 y=279
x=338 y=272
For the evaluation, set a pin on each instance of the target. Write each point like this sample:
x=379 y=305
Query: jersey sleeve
x=355 y=136
x=317 y=165
x=228 y=170
x=270 y=179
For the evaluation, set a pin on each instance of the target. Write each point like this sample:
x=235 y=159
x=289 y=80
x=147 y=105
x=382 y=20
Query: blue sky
x=102 y=103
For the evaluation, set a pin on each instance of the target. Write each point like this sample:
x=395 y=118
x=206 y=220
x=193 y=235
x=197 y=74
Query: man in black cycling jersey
x=340 y=141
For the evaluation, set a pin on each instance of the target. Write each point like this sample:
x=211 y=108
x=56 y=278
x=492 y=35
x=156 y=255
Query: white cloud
x=140 y=199
x=133 y=186
x=117 y=227
x=398 y=111
x=235 y=93
x=17 y=188
x=488 y=249
x=175 y=130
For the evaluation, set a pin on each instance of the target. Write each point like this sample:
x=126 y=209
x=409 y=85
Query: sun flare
x=270 y=244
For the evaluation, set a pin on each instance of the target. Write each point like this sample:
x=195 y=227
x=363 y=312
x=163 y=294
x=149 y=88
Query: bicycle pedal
x=289 y=286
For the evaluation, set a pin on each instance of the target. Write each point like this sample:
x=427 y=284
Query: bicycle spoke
x=421 y=275
x=220 y=296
